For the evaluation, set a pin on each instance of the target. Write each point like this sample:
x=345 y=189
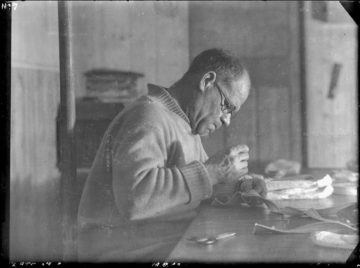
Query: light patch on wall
x=168 y=9
x=34 y=35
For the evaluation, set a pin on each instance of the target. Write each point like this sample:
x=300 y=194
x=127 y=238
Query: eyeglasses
x=226 y=106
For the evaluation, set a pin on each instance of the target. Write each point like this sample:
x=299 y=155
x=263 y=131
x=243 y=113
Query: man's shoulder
x=147 y=110
x=148 y=107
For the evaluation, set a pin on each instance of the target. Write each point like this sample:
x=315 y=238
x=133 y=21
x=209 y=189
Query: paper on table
x=317 y=214
x=291 y=194
x=273 y=185
x=324 y=223
x=334 y=240
x=299 y=189
x=345 y=182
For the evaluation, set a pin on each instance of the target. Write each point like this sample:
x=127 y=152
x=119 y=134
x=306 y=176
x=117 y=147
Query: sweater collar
x=167 y=100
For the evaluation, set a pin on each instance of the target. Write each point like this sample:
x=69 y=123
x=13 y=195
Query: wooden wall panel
x=35 y=209
x=33 y=128
x=241 y=26
x=35 y=221
x=273 y=123
x=172 y=45
x=35 y=25
x=146 y=37
x=143 y=42
x=243 y=126
x=268 y=71
x=35 y=215
x=331 y=122
x=296 y=114
x=265 y=36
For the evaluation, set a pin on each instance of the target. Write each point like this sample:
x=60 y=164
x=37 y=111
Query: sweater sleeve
x=144 y=186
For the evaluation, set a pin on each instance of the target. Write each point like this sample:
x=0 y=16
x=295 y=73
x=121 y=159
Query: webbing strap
x=317 y=214
x=307 y=228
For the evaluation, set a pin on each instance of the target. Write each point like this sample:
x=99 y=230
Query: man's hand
x=228 y=165
x=253 y=182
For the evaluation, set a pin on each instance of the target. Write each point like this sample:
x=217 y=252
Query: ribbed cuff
x=197 y=180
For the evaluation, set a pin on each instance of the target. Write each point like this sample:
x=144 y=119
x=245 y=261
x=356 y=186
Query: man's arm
x=139 y=167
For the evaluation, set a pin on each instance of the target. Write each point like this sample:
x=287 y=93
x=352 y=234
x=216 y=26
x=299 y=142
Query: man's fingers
x=238 y=172
x=241 y=148
x=256 y=176
x=243 y=156
x=259 y=186
x=239 y=164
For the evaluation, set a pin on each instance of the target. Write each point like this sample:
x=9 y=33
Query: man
x=151 y=171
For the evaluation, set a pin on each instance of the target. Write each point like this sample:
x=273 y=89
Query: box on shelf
x=112 y=85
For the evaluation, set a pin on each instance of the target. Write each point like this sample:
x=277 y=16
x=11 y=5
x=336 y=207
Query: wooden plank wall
x=147 y=37
x=265 y=35
x=331 y=122
x=35 y=214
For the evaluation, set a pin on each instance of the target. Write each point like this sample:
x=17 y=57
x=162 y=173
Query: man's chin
x=205 y=133
x=201 y=133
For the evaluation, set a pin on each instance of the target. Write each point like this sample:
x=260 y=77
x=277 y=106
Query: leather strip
x=317 y=214
x=307 y=228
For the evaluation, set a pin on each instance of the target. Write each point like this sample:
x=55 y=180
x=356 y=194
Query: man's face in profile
x=220 y=103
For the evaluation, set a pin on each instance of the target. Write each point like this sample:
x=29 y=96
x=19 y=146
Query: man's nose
x=225 y=119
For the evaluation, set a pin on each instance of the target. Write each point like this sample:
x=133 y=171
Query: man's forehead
x=238 y=92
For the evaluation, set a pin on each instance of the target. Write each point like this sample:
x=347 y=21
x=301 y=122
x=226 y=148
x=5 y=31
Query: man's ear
x=207 y=80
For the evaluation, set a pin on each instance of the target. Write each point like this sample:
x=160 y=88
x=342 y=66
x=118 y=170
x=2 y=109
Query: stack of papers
x=299 y=189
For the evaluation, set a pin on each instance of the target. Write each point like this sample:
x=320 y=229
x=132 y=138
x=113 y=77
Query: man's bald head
x=224 y=63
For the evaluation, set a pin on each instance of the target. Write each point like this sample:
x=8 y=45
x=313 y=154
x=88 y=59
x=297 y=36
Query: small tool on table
x=211 y=239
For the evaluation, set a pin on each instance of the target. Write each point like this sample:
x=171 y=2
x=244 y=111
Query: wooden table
x=248 y=247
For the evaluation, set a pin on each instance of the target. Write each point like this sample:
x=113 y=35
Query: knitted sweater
x=145 y=183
